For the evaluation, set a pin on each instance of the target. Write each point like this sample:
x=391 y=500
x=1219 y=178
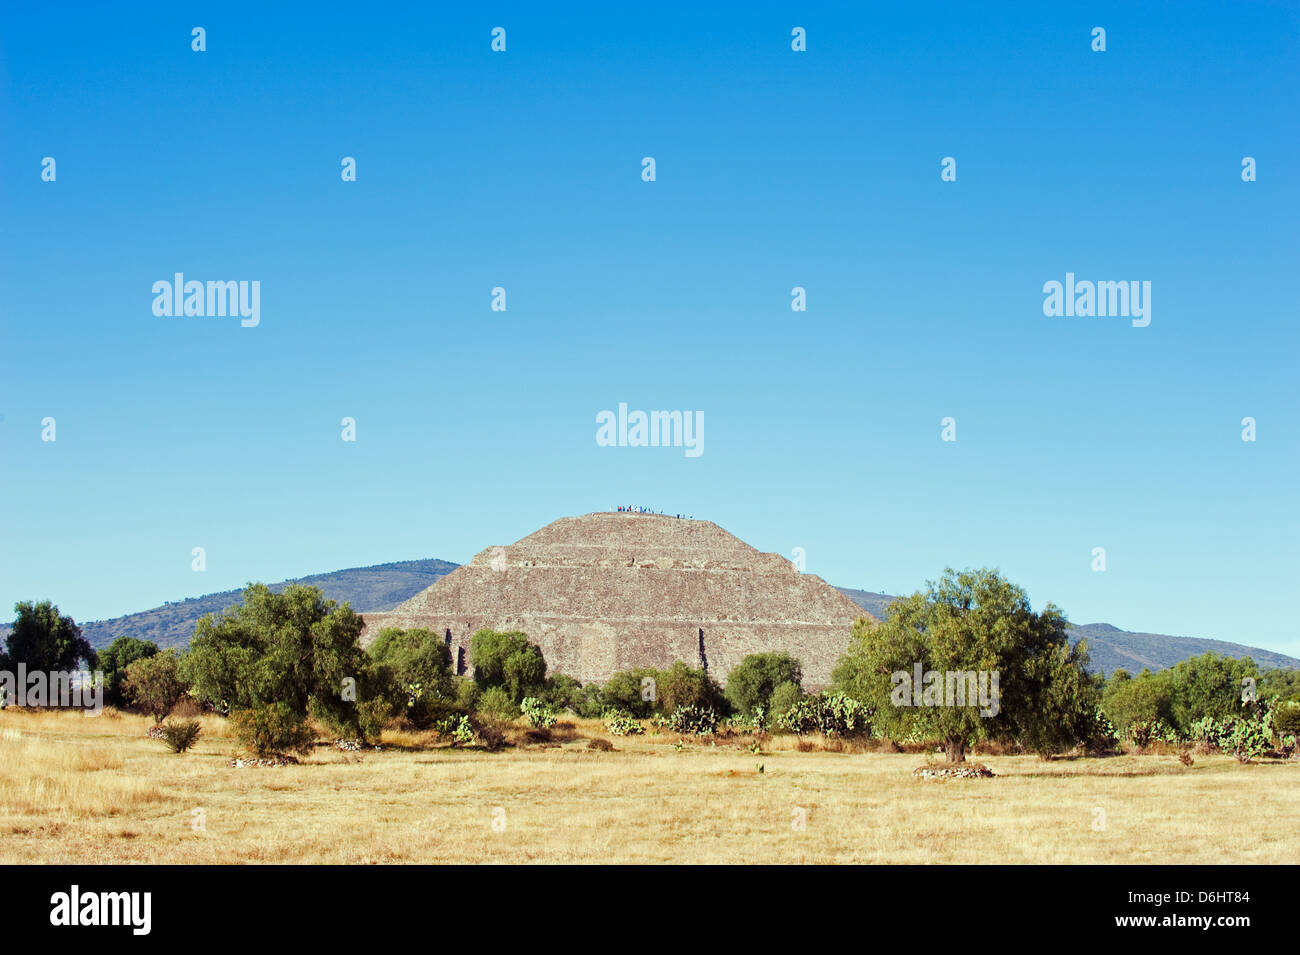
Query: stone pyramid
x=611 y=591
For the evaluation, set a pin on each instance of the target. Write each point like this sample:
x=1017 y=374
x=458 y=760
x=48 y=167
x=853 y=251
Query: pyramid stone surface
x=611 y=591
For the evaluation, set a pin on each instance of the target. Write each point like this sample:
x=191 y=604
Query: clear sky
x=774 y=169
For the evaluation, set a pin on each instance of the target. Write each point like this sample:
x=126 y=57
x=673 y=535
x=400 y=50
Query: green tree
x=1283 y=684
x=681 y=685
x=751 y=683
x=1207 y=685
x=44 y=639
x=153 y=683
x=413 y=674
x=563 y=692
x=509 y=661
x=973 y=621
x=294 y=650
x=628 y=690
x=783 y=698
x=120 y=654
x=1061 y=710
x=1129 y=699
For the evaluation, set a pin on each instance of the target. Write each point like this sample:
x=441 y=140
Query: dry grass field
x=96 y=790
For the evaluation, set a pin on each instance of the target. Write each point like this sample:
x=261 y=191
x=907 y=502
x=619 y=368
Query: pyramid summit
x=606 y=592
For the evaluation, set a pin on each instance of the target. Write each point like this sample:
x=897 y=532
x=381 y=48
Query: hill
x=1110 y=648
x=379 y=587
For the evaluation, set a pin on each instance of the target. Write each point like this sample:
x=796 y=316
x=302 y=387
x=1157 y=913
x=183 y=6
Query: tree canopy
x=293 y=648
x=752 y=682
x=509 y=661
x=44 y=639
x=989 y=666
x=114 y=660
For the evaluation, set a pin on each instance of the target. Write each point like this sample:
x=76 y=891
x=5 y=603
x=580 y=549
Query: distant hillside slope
x=381 y=587
x=1110 y=648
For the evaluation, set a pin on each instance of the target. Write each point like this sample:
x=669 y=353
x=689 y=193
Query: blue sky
x=775 y=169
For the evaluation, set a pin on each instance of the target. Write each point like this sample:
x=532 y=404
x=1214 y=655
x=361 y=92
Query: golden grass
x=97 y=790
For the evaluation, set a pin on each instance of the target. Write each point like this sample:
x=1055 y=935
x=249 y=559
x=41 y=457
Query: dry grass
x=74 y=789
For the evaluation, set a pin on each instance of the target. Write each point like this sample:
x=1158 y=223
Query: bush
x=621 y=724
x=753 y=682
x=784 y=697
x=698 y=720
x=563 y=692
x=635 y=692
x=120 y=654
x=490 y=730
x=466 y=693
x=153 y=683
x=1144 y=733
x=739 y=723
x=1286 y=719
x=181 y=735
x=497 y=703
x=509 y=661
x=456 y=728
x=681 y=686
x=372 y=714
x=273 y=729
x=538 y=714
x=829 y=714
x=413 y=671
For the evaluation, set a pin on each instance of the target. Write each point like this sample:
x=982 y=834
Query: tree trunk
x=955 y=746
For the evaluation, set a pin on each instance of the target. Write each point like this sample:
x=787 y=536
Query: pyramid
x=612 y=591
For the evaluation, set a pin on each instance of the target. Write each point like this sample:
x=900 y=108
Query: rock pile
x=241 y=761
x=973 y=771
x=353 y=745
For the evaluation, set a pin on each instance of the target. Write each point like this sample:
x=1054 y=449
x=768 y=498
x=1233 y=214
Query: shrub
x=466 y=694
x=496 y=702
x=273 y=729
x=681 y=686
x=538 y=714
x=634 y=692
x=784 y=697
x=490 y=730
x=1143 y=733
x=372 y=714
x=562 y=692
x=1286 y=718
x=753 y=681
x=701 y=721
x=181 y=735
x=829 y=714
x=590 y=704
x=621 y=724
x=603 y=745
x=740 y=723
x=120 y=654
x=457 y=728
x=1098 y=734
x=153 y=684
x=413 y=671
x=509 y=661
